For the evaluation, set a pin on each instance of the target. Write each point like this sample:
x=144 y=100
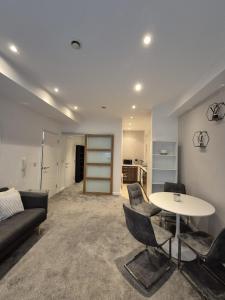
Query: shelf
x=165 y=142
x=164 y=166
x=163 y=155
x=98 y=164
x=97 y=149
x=157 y=169
x=98 y=178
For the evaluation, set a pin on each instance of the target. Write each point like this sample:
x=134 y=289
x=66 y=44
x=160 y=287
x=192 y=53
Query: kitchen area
x=135 y=151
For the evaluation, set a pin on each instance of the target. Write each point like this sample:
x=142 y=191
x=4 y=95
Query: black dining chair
x=207 y=271
x=147 y=267
x=174 y=187
x=138 y=202
x=171 y=187
x=206 y=248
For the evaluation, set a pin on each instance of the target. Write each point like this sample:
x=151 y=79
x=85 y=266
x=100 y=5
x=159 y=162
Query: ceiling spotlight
x=131 y=117
x=56 y=90
x=75 y=107
x=138 y=87
x=75 y=45
x=133 y=106
x=14 y=49
x=129 y=124
x=103 y=107
x=147 y=39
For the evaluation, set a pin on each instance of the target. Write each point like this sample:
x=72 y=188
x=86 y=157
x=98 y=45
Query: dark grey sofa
x=17 y=228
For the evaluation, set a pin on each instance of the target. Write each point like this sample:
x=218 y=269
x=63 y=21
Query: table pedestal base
x=186 y=253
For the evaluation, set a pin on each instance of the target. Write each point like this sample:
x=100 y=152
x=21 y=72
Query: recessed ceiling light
x=147 y=39
x=76 y=44
x=138 y=87
x=103 y=107
x=13 y=48
x=133 y=106
x=56 y=89
x=75 y=107
x=131 y=117
x=129 y=124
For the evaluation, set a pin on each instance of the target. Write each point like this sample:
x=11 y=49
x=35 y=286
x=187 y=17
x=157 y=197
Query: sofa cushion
x=15 y=226
x=10 y=204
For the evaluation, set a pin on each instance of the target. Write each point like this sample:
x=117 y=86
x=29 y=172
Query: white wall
x=96 y=126
x=164 y=127
x=203 y=172
x=20 y=137
x=133 y=144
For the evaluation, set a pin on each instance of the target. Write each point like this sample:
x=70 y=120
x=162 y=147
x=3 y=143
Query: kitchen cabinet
x=130 y=174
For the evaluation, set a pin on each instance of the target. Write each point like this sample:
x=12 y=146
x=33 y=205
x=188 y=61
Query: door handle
x=45 y=168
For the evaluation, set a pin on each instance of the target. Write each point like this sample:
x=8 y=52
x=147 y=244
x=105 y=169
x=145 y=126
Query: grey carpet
x=76 y=257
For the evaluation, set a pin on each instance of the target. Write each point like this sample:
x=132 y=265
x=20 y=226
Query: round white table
x=184 y=205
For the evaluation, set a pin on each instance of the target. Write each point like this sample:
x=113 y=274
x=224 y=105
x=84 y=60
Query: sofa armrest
x=34 y=200
x=3 y=189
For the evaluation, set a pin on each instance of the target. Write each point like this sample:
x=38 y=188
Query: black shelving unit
x=79 y=170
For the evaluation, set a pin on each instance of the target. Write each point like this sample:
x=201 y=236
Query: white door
x=69 y=171
x=50 y=163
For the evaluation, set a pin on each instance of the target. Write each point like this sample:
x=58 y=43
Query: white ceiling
x=189 y=39
x=138 y=122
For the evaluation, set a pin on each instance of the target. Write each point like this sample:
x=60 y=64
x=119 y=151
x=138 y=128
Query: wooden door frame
x=103 y=164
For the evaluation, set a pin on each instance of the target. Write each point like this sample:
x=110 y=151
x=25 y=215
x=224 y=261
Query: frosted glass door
x=100 y=142
x=98 y=156
x=98 y=164
x=97 y=186
x=98 y=171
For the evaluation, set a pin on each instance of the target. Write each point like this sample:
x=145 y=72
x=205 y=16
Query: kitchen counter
x=139 y=166
x=135 y=173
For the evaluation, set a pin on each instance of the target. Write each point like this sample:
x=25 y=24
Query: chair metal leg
x=170 y=248
x=179 y=253
x=138 y=280
x=160 y=220
x=131 y=273
x=39 y=230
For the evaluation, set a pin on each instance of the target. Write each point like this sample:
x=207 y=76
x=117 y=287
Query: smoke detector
x=75 y=45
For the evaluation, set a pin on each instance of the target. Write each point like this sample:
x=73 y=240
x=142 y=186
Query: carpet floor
x=77 y=255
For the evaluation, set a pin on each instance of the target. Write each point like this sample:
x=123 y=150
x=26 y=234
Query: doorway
x=72 y=160
x=50 y=162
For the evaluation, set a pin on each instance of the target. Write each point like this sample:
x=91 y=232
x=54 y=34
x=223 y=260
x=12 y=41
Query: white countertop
x=139 y=166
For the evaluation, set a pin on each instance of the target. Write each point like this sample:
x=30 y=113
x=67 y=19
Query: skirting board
x=116 y=193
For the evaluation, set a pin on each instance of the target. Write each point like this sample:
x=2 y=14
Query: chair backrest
x=217 y=250
x=174 y=187
x=135 y=194
x=140 y=226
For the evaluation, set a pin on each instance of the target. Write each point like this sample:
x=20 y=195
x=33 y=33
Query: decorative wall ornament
x=200 y=139
x=216 y=111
